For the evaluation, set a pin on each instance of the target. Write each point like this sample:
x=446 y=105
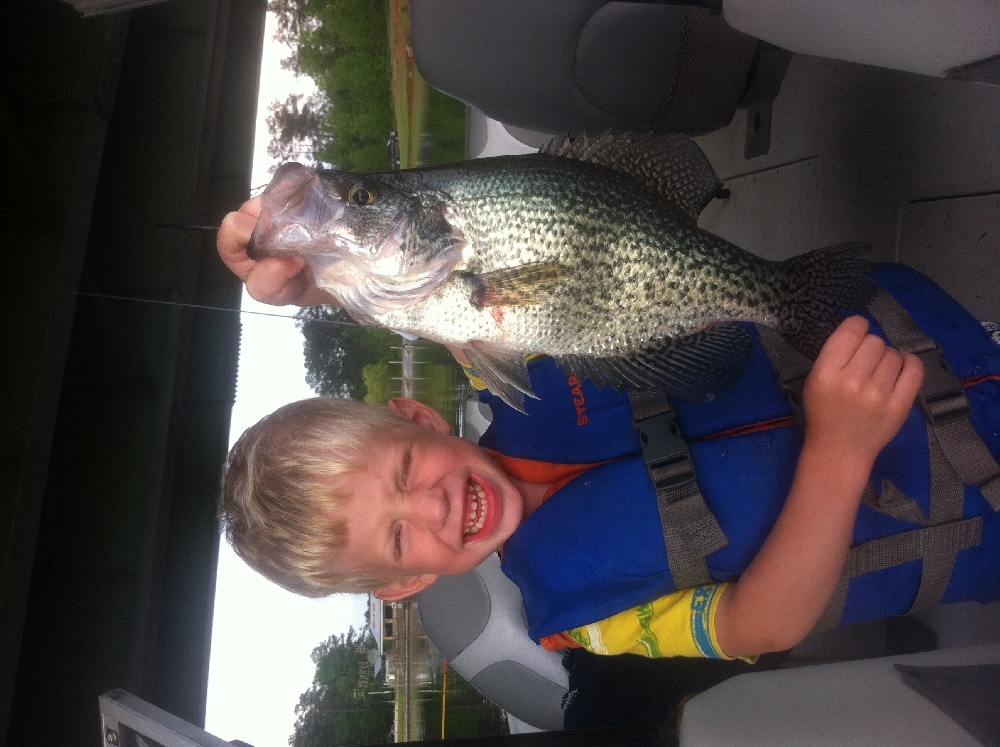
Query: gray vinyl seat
x=559 y=67
x=477 y=622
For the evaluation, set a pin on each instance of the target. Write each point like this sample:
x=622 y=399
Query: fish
x=588 y=251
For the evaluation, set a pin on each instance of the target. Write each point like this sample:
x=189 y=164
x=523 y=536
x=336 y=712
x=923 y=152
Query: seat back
x=571 y=67
x=477 y=622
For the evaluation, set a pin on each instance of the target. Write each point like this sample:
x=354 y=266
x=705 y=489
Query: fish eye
x=360 y=195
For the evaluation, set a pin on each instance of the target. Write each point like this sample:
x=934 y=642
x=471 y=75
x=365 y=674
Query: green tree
x=344 y=705
x=296 y=125
x=380 y=387
x=342 y=45
x=336 y=350
x=292 y=16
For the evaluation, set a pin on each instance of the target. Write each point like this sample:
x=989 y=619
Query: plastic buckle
x=942 y=397
x=664 y=451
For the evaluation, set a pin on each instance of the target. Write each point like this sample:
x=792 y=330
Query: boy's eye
x=399 y=544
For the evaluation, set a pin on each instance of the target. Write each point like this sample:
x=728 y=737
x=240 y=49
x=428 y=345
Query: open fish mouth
x=368 y=260
x=301 y=217
x=293 y=202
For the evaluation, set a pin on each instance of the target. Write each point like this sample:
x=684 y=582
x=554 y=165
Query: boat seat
x=563 y=68
x=476 y=621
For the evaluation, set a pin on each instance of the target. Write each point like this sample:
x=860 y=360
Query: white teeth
x=478 y=508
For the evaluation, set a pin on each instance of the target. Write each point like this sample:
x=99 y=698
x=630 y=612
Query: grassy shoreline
x=430 y=125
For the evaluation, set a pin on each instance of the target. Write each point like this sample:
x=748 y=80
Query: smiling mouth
x=478 y=509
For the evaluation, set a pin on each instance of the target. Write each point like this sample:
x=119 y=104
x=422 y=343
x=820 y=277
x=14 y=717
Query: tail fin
x=824 y=283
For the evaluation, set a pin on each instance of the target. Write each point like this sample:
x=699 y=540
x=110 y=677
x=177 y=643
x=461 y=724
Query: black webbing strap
x=970 y=458
x=938 y=543
x=894 y=502
x=958 y=456
x=690 y=531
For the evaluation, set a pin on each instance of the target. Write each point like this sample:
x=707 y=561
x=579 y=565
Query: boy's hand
x=275 y=281
x=859 y=392
x=856 y=399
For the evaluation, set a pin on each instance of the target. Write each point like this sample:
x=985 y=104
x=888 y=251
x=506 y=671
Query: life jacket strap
x=894 y=502
x=942 y=397
x=942 y=400
x=790 y=365
x=957 y=456
x=690 y=530
x=937 y=546
x=967 y=453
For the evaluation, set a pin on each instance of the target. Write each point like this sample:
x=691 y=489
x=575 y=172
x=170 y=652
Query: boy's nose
x=429 y=505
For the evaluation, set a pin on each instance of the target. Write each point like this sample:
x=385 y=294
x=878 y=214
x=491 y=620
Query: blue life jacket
x=596 y=547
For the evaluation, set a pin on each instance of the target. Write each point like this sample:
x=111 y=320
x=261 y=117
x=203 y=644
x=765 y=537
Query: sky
x=262 y=636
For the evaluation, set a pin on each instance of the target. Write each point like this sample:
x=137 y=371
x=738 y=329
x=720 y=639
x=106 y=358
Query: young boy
x=329 y=495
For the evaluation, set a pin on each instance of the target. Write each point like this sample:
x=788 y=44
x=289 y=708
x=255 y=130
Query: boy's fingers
x=871 y=355
x=280 y=281
x=841 y=346
x=886 y=373
x=910 y=378
x=277 y=281
x=898 y=379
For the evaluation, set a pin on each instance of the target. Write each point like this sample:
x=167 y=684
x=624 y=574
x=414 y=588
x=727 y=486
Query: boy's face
x=425 y=504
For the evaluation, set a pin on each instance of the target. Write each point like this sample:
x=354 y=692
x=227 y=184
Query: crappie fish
x=588 y=251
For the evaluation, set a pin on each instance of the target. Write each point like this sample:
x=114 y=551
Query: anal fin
x=692 y=368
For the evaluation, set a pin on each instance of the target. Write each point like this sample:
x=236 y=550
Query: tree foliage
x=379 y=385
x=336 y=350
x=292 y=16
x=344 y=705
x=295 y=125
x=343 y=46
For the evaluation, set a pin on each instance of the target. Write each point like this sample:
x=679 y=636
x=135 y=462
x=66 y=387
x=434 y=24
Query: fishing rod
x=206 y=307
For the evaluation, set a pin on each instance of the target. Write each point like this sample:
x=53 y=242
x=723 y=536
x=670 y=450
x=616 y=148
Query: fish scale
x=600 y=250
x=588 y=251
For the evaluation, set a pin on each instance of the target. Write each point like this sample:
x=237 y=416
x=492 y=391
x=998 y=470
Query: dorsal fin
x=671 y=165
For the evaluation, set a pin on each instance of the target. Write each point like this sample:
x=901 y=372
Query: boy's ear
x=420 y=414
x=396 y=590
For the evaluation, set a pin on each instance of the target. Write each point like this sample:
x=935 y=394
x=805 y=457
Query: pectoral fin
x=517 y=286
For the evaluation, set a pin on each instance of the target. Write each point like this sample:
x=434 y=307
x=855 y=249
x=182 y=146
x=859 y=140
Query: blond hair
x=279 y=510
